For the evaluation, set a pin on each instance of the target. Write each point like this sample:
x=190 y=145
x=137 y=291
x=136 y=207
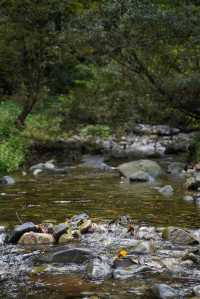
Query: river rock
x=85 y=226
x=48 y=167
x=166 y=190
x=140 y=177
x=65 y=238
x=32 y=238
x=7 y=180
x=179 y=236
x=20 y=230
x=147 y=233
x=196 y=291
x=99 y=268
x=144 y=247
x=163 y=291
x=96 y=162
x=131 y=168
x=188 y=198
x=68 y=256
x=59 y=230
x=193 y=182
x=77 y=220
x=126 y=273
x=176 y=168
x=124 y=262
x=162 y=130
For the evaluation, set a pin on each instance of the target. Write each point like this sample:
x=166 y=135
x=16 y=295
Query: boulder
x=20 y=230
x=166 y=190
x=59 y=230
x=140 y=177
x=99 y=268
x=179 y=236
x=32 y=238
x=188 y=198
x=68 y=256
x=163 y=291
x=7 y=180
x=131 y=168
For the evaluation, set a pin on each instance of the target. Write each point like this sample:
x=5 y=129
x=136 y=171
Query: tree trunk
x=27 y=109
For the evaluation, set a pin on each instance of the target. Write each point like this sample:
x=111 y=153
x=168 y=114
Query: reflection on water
x=102 y=196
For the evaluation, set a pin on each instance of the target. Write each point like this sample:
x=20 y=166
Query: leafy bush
x=96 y=131
x=41 y=127
x=12 y=153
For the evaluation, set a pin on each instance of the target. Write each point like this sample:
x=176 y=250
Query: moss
x=165 y=233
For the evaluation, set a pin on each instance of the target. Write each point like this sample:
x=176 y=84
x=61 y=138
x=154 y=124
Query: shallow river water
x=103 y=196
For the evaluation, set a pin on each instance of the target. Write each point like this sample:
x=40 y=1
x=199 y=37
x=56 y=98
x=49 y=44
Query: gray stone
x=166 y=190
x=175 y=168
x=7 y=180
x=188 y=198
x=125 y=273
x=162 y=130
x=68 y=256
x=131 y=168
x=144 y=247
x=20 y=230
x=179 y=236
x=196 y=290
x=99 y=269
x=163 y=291
x=193 y=182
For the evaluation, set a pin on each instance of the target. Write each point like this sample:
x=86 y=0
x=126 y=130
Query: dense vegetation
x=104 y=65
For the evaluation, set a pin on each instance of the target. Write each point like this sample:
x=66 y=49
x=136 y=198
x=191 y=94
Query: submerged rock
x=163 y=291
x=188 y=198
x=140 y=177
x=7 y=180
x=69 y=256
x=128 y=272
x=48 y=167
x=20 y=230
x=132 y=168
x=176 y=168
x=99 y=269
x=32 y=238
x=179 y=236
x=166 y=190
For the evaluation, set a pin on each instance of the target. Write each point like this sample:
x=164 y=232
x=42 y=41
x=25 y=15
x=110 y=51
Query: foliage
x=8 y=114
x=96 y=131
x=12 y=153
x=42 y=128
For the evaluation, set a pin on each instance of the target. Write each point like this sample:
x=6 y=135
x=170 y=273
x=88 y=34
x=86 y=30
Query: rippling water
x=102 y=196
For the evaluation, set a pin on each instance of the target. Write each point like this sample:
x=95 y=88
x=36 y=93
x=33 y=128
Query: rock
x=59 y=230
x=85 y=226
x=162 y=130
x=77 y=220
x=196 y=291
x=96 y=162
x=193 y=182
x=188 y=198
x=147 y=233
x=125 y=273
x=32 y=238
x=176 y=168
x=131 y=168
x=7 y=180
x=20 y=230
x=179 y=236
x=65 y=238
x=68 y=256
x=143 y=247
x=163 y=291
x=99 y=269
x=48 y=167
x=123 y=220
x=124 y=262
x=140 y=177
x=166 y=190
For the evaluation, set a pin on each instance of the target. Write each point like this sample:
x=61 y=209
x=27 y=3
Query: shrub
x=8 y=115
x=12 y=153
x=96 y=131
